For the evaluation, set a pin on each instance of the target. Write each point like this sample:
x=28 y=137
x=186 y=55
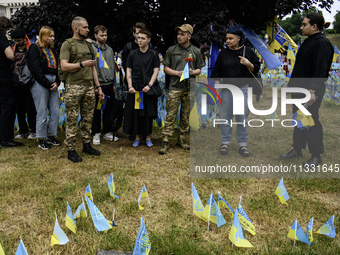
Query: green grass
x=34 y=184
x=335 y=39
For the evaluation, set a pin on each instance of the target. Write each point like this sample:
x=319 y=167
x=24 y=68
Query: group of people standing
x=87 y=82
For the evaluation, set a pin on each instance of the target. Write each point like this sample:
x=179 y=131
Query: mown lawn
x=34 y=184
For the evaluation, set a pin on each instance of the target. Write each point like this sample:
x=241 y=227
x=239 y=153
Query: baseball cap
x=18 y=33
x=185 y=28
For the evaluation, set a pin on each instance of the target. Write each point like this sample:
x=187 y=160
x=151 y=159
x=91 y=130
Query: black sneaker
x=73 y=156
x=88 y=149
x=10 y=144
x=44 y=145
x=51 y=140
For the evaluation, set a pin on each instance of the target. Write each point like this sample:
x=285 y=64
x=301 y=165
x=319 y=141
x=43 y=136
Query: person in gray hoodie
x=107 y=78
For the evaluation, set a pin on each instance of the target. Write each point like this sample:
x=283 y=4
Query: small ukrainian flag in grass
x=139 y=100
x=59 y=236
x=70 y=222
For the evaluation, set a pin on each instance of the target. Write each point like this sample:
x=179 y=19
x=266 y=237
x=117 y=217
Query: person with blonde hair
x=43 y=64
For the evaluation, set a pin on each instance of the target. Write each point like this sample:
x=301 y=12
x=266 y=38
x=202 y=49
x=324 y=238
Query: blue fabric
x=46 y=99
x=227 y=114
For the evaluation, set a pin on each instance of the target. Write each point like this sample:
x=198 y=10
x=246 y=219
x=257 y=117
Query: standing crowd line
x=87 y=69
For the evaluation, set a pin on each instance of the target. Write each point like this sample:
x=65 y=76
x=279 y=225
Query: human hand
x=89 y=63
x=101 y=95
x=146 y=89
x=312 y=99
x=132 y=90
x=54 y=86
x=244 y=61
x=179 y=73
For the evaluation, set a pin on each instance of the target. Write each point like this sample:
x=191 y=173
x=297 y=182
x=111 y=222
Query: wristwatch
x=81 y=64
x=149 y=85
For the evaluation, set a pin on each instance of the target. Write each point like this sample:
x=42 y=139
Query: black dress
x=140 y=121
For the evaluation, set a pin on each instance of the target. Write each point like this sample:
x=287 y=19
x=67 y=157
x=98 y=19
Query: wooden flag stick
x=209 y=211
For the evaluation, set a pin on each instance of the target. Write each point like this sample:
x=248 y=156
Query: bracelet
x=98 y=87
x=149 y=85
x=81 y=64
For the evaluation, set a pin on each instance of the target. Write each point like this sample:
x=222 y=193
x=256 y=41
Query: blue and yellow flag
x=81 y=212
x=112 y=187
x=244 y=220
x=328 y=228
x=212 y=212
x=222 y=203
x=58 y=236
x=102 y=103
x=1 y=250
x=185 y=74
x=193 y=118
x=291 y=55
x=70 y=222
x=143 y=245
x=21 y=249
x=302 y=121
x=88 y=192
x=309 y=230
x=99 y=221
x=296 y=233
x=101 y=61
x=143 y=193
x=282 y=193
x=336 y=53
x=139 y=100
x=236 y=233
x=196 y=202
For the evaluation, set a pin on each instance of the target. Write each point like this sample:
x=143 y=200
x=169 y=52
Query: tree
x=210 y=18
x=336 y=22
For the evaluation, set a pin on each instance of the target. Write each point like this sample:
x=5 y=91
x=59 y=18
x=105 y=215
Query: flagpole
x=148 y=195
x=295 y=232
x=84 y=206
x=209 y=211
x=113 y=214
x=240 y=198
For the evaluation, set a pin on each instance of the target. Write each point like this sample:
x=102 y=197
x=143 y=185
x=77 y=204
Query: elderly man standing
x=79 y=90
x=179 y=91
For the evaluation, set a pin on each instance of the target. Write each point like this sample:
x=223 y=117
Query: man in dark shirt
x=7 y=95
x=313 y=60
x=24 y=101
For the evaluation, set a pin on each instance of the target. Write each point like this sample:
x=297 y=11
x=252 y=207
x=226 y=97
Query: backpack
x=74 y=52
x=21 y=73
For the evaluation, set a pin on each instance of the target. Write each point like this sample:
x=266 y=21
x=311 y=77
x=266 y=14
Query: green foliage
x=161 y=16
x=336 y=23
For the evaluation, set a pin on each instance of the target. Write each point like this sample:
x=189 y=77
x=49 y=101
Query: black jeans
x=7 y=107
x=314 y=135
x=97 y=114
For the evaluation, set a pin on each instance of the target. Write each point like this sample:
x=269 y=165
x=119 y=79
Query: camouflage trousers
x=174 y=100
x=78 y=97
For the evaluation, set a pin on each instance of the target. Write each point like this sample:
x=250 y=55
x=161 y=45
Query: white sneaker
x=20 y=136
x=116 y=139
x=96 y=139
x=32 y=136
x=108 y=136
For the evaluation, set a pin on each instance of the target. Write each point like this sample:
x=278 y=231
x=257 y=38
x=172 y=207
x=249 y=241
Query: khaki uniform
x=179 y=92
x=79 y=95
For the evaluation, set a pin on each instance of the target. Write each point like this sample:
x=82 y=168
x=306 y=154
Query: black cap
x=18 y=33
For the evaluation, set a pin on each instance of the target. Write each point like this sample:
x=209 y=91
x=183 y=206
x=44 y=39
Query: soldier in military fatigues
x=79 y=90
x=179 y=92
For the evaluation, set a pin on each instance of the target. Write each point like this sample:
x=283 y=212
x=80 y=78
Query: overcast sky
x=329 y=17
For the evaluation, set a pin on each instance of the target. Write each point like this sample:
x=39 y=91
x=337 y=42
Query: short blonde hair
x=44 y=32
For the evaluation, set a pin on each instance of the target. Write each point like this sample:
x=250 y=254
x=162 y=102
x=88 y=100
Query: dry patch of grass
x=35 y=183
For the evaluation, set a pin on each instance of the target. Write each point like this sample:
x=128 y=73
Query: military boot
x=165 y=146
x=182 y=143
x=88 y=149
x=73 y=156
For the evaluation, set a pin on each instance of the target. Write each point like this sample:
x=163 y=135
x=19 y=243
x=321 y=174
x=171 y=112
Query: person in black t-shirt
x=7 y=94
x=139 y=121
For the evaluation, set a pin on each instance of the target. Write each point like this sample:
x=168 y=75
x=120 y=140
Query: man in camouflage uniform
x=179 y=92
x=79 y=90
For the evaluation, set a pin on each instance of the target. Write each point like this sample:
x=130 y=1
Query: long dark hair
x=317 y=18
